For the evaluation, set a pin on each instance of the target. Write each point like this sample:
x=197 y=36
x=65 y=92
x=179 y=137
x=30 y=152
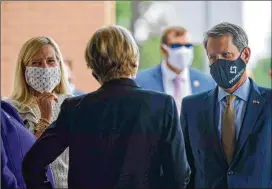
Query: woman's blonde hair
x=21 y=92
x=112 y=53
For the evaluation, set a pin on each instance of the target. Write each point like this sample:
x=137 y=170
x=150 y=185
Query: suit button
x=230 y=173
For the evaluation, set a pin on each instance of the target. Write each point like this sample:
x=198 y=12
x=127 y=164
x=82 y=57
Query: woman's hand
x=44 y=102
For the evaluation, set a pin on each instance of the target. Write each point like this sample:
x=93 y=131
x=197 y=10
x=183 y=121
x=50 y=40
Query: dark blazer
x=119 y=136
x=252 y=160
x=151 y=79
x=16 y=140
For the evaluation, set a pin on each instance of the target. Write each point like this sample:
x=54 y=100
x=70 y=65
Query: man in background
x=68 y=70
x=174 y=75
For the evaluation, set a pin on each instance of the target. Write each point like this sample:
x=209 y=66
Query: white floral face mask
x=43 y=79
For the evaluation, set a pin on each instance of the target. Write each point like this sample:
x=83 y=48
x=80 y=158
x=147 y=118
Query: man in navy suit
x=119 y=136
x=228 y=130
x=174 y=75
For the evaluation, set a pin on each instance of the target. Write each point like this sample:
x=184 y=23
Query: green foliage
x=150 y=53
x=261 y=72
x=123 y=13
x=199 y=57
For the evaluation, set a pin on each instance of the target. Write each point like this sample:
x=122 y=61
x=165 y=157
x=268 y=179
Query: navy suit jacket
x=16 y=140
x=251 y=166
x=151 y=79
x=119 y=136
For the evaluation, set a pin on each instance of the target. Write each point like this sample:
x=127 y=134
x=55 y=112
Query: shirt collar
x=242 y=92
x=170 y=75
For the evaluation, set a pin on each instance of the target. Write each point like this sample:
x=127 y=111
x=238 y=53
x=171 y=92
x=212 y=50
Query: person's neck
x=237 y=85
x=177 y=71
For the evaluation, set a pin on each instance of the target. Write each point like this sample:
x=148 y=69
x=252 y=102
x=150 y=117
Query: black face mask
x=227 y=73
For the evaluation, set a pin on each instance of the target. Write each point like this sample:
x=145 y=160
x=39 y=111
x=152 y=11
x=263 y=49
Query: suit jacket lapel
x=254 y=107
x=157 y=76
x=211 y=126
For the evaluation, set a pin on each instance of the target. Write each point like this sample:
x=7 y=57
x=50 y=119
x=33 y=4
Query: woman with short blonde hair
x=40 y=87
x=112 y=53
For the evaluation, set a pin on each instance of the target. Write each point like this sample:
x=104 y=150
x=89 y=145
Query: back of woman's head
x=112 y=53
x=21 y=90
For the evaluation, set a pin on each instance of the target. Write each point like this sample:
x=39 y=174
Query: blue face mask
x=227 y=73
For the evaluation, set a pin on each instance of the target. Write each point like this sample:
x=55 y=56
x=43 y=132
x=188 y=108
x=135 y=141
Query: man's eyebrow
x=221 y=52
x=225 y=52
x=209 y=55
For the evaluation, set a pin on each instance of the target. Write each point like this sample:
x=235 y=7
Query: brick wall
x=71 y=24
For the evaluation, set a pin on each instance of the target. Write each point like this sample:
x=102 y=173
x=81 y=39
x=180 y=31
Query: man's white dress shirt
x=168 y=77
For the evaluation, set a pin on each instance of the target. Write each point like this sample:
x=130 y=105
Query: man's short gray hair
x=239 y=36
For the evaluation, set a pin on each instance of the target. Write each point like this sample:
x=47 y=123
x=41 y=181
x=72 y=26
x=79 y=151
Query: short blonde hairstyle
x=21 y=92
x=112 y=53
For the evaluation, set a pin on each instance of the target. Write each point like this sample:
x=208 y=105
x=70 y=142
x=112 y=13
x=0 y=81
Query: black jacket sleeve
x=176 y=169
x=47 y=148
x=184 y=126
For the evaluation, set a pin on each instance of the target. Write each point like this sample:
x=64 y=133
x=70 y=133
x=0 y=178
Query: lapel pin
x=196 y=83
x=256 y=102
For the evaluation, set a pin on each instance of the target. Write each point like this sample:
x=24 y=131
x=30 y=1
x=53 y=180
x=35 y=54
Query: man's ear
x=246 y=54
x=163 y=51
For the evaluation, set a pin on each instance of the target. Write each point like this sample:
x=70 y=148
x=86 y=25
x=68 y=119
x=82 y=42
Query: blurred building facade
x=70 y=23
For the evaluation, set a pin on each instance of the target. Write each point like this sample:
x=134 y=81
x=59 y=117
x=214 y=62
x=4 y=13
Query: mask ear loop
x=242 y=52
x=165 y=47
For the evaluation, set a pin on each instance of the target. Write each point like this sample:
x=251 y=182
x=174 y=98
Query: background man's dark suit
x=251 y=166
x=120 y=136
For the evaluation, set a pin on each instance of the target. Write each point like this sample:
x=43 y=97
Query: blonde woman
x=40 y=86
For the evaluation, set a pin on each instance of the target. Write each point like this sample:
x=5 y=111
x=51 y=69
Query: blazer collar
x=157 y=79
x=209 y=113
x=120 y=82
x=254 y=108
